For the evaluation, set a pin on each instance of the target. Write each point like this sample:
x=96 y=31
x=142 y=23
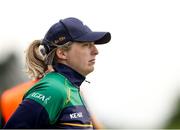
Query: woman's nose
x=94 y=50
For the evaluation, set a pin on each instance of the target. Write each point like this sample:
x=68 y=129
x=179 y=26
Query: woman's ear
x=61 y=54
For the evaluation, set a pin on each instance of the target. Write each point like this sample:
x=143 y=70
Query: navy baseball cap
x=72 y=29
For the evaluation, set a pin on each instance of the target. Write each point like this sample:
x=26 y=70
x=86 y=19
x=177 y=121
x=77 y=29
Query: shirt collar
x=73 y=76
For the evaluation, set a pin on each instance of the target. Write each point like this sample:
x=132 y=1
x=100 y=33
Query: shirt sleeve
x=51 y=97
x=29 y=114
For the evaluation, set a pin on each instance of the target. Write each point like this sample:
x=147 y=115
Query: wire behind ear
x=50 y=57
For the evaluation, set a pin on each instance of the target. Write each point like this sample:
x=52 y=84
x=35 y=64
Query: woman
x=61 y=61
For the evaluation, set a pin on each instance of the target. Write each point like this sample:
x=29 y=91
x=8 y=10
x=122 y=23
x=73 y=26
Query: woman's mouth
x=92 y=61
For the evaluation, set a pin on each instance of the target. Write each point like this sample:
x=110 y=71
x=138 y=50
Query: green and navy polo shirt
x=53 y=102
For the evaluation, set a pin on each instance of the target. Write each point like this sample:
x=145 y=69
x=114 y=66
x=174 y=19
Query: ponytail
x=38 y=62
x=35 y=64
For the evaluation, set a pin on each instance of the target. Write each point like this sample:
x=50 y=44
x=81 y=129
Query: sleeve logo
x=41 y=97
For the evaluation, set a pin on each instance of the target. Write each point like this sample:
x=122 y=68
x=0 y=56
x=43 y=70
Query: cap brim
x=96 y=37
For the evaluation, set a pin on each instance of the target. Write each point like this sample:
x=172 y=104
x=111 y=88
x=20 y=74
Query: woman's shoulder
x=51 y=85
x=52 y=80
x=54 y=76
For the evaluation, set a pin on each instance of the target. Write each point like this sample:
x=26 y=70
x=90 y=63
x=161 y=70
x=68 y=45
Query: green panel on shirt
x=50 y=93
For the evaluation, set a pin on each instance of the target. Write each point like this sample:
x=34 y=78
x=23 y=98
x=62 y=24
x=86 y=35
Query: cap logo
x=60 y=39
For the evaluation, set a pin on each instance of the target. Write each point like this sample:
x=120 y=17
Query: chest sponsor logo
x=76 y=115
x=41 y=97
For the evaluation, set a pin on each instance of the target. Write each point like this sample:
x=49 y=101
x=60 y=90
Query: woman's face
x=81 y=57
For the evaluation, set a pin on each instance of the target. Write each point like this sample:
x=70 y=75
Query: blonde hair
x=37 y=62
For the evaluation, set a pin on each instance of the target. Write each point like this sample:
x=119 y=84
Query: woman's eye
x=86 y=44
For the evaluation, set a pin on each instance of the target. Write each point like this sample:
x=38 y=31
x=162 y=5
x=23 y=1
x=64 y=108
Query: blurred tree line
x=174 y=120
x=11 y=72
